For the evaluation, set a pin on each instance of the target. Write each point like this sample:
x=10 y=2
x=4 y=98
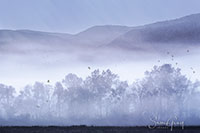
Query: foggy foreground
x=50 y=85
x=163 y=95
x=28 y=63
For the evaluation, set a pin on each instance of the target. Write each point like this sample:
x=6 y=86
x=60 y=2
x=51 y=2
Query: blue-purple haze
x=97 y=76
x=72 y=16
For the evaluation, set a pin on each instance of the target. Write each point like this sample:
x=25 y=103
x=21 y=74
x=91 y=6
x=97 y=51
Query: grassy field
x=94 y=129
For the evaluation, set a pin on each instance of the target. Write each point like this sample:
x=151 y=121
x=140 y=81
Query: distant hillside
x=24 y=36
x=100 y=35
x=185 y=30
x=180 y=32
x=94 y=36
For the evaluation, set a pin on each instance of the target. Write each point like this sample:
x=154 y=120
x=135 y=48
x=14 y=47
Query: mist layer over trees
x=103 y=99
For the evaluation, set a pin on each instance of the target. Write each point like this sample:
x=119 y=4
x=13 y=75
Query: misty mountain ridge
x=184 y=31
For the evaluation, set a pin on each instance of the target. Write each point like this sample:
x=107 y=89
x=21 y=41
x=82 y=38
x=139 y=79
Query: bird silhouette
x=89 y=68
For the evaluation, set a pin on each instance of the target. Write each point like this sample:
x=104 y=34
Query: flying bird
x=193 y=71
x=89 y=68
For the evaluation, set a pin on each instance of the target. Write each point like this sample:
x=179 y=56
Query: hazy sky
x=72 y=16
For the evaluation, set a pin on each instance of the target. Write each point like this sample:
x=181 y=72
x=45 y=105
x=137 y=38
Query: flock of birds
x=172 y=58
x=168 y=53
